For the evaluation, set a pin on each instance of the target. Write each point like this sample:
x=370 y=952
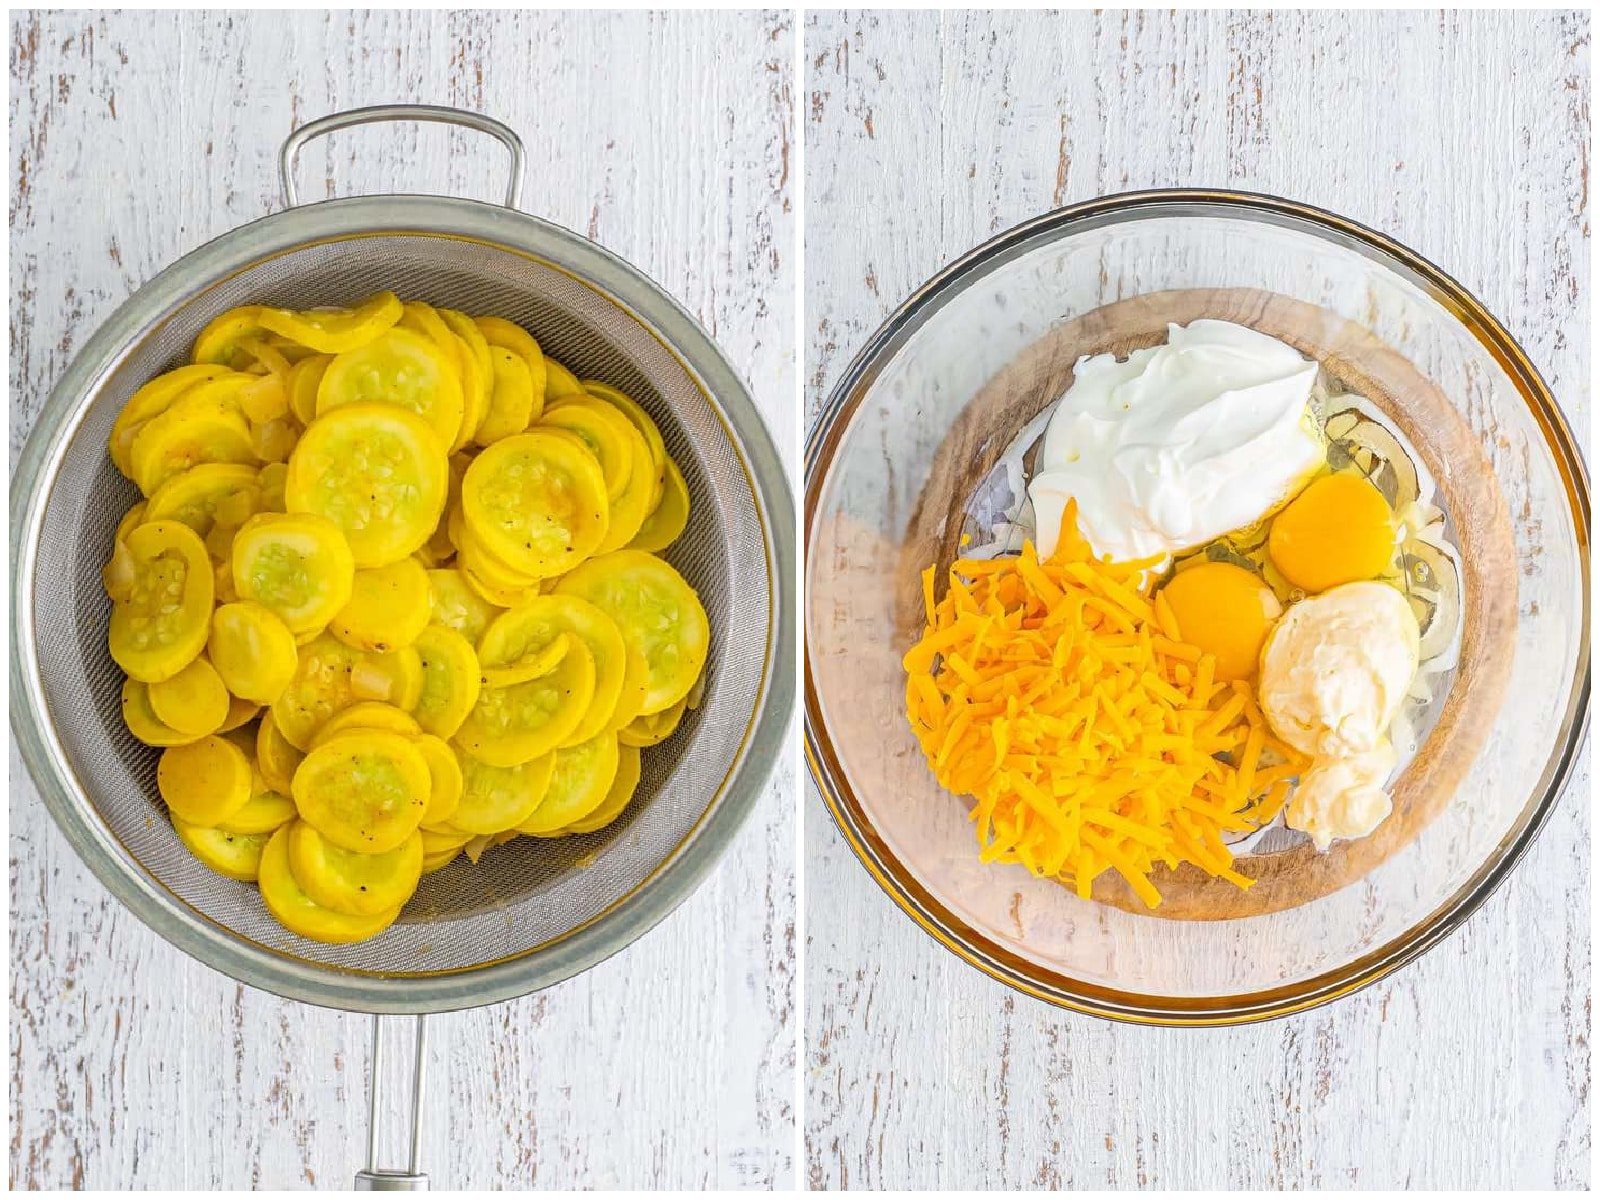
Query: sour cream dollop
x=1177 y=444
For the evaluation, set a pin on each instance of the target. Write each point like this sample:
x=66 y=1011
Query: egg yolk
x=1339 y=530
x=1224 y=611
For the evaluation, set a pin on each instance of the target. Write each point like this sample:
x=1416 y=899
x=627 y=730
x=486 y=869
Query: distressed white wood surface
x=136 y=137
x=1464 y=135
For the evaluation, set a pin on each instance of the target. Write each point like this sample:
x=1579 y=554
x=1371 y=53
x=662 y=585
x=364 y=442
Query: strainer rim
x=658 y=313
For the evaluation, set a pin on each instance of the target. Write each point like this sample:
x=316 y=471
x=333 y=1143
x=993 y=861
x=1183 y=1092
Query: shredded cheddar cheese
x=1059 y=696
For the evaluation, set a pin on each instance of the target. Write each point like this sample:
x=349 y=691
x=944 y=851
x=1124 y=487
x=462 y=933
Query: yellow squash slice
x=477 y=372
x=496 y=594
x=655 y=728
x=425 y=321
x=276 y=759
x=537 y=501
x=609 y=436
x=159 y=625
x=142 y=721
x=451 y=680
x=623 y=786
x=522 y=636
x=294 y=352
x=334 y=330
x=474 y=559
x=220 y=341
x=508 y=336
x=559 y=382
x=401 y=369
x=643 y=422
x=445 y=769
x=305 y=382
x=364 y=790
x=203 y=425
x=265 y=811
x=206 y=781
x=440 y=547
x=193 y=701
x=377 y=472
x=367 y=714
x=357 y=885
x=240 y=713
x=387 y=609
x=436 y=841
x=253 y=650
x=150 y=401
x=210 y=494
x=671 y=516
x=236 y=855
x=297 y=912
x=131 y=520
x=629 y=510
x=579 y=783
x=330 y=676
x=535 y=664
x=635 y=690
x=457 y=606
x=258 y=356
x=658 y=612
x=511 y=399
x=517 y=724
x=297 y=565
x=118 y=575
x=441 y=860
x=494 y=799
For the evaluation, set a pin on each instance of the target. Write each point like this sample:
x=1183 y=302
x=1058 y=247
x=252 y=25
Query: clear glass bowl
x=928 y=401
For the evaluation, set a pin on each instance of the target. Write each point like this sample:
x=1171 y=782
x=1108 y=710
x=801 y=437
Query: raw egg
x=1339 y=530
x=1225 y=611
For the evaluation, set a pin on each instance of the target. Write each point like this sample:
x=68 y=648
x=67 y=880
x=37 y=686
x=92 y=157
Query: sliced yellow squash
x=297 y=565
x=658 y=612
x=252 y=650
x=377 y=472
x=206 y=781
x=160 y=623
x=357 y=885
x=298 y=912
x=387 y=609
x=364 y=790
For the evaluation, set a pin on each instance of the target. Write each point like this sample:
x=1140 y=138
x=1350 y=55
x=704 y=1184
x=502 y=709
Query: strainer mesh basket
x=530 y=892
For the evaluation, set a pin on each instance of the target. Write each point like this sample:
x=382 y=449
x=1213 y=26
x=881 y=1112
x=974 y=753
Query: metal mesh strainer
x=533 y=911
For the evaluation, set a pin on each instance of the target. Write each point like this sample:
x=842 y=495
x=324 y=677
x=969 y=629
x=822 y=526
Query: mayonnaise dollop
x=1343 y=797
x=1177 y=444
x=1336 y=667
x=1334 y=672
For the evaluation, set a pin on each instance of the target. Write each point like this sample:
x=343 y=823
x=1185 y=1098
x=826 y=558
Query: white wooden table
x=136 y=137
x=1466 y=136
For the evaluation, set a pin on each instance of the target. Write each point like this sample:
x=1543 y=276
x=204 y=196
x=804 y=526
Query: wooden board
x=925 y=134
x=136 y=137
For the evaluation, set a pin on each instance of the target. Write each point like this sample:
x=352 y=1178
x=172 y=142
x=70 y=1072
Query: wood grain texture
x=136 y=137
x=1467 y=137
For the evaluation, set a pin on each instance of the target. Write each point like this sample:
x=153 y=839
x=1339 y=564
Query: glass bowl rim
x=827 y=435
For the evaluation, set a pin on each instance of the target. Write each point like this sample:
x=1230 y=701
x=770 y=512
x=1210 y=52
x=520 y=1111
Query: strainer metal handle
x=387 y=1179
x=436 y=113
